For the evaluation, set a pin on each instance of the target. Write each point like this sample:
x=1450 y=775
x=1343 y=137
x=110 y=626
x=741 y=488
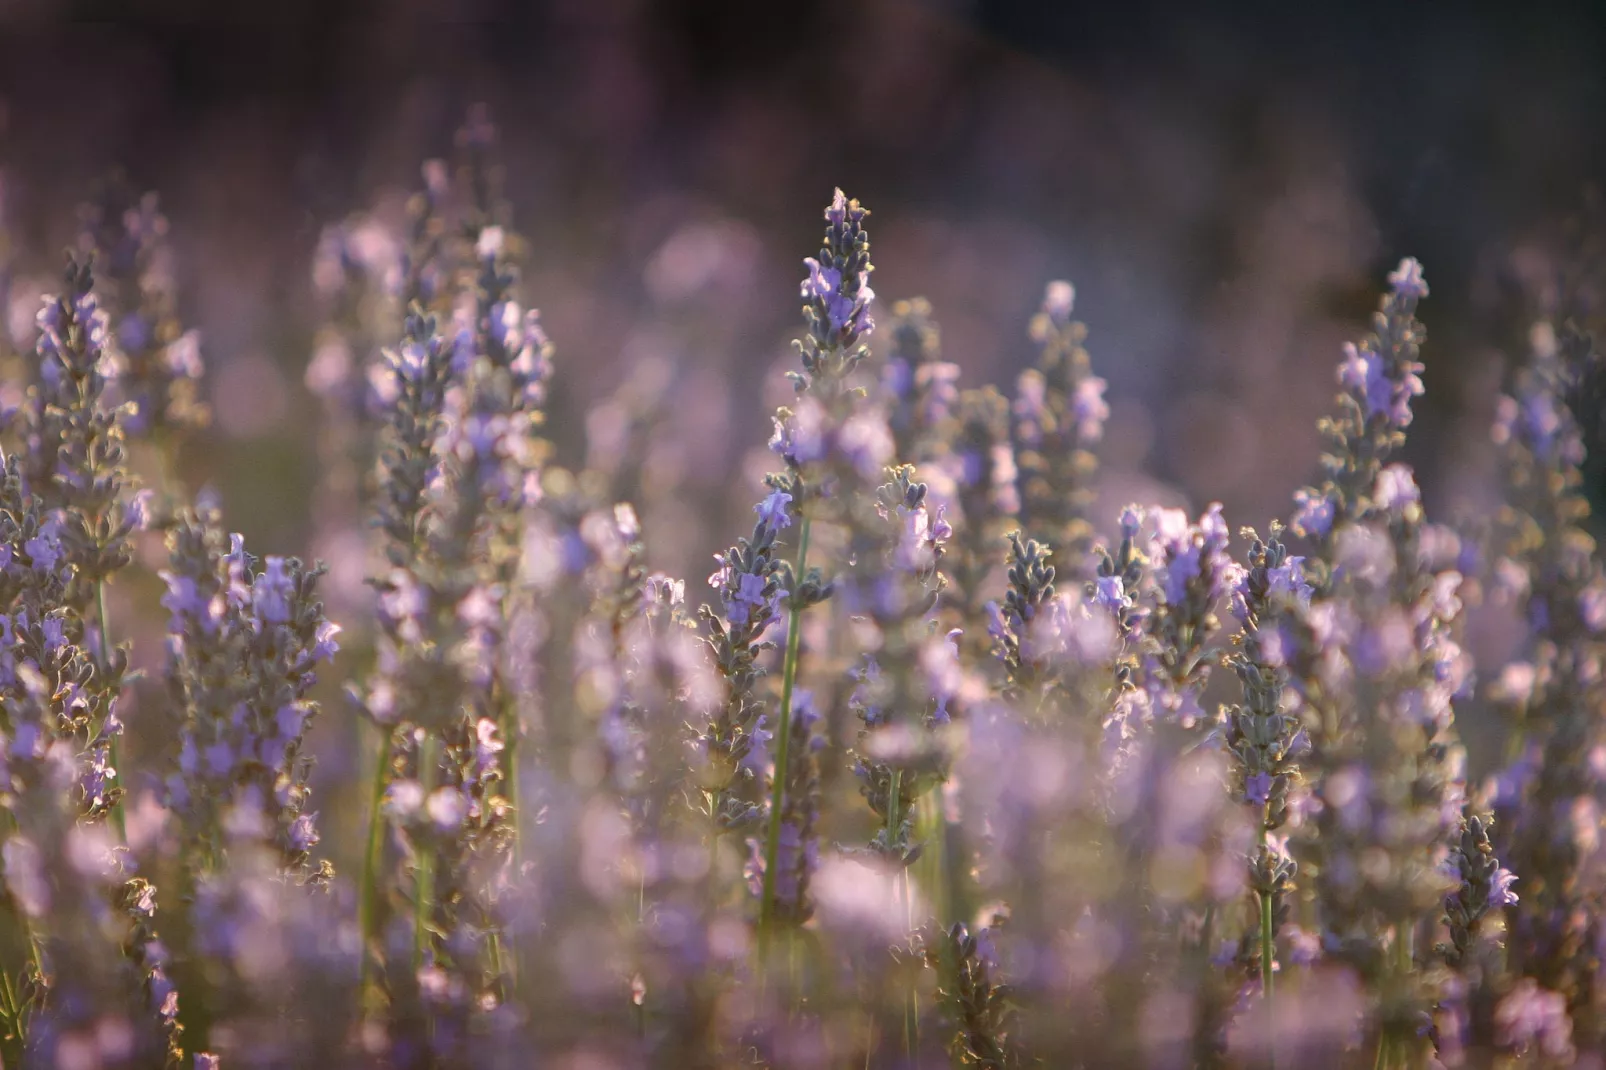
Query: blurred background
x=1226 y=188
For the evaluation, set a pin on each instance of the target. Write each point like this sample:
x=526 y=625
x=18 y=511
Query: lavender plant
x=1549 y=793
x=942 y=774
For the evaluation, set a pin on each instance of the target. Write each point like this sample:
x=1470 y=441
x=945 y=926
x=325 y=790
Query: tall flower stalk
x=70 y=515
x=1059 y=413
x=244 y=644
x=1549 y=794
x=159 y=365
x=829 y=440
x=1265 y=738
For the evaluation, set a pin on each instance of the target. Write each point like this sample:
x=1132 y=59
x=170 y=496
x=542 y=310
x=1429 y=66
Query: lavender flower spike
x=1381 y=375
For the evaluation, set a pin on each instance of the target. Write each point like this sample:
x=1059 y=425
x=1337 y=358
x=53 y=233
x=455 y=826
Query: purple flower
x=1407 y=281
x=748 y=595
x=866 y=441
x=219 y=759
x=1192 y=553
x=800 y=434
x=303 y=834
x=1396 y=489
x=271 y=592
x=772 y=510
x=1367 y=376
x=1090 y=409
x=1315 y=514
x=896 y=379
x=1530 y=1016
x=1059 y=297
x=1109 y=592
x=325 y=646
x=1288 y=580
x=1500 y=893
x=136 y=511
x=55 y=636
x=44 y=549
x=1384 y=645
x=1030 y=406
x=1592 y=606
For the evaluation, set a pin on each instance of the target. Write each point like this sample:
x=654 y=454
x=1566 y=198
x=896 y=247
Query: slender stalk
x=1268 y=951
x=119 y=820
x=510 y=791
x=33 y=964
x=1404 y=964
x=424 y=875
x=894 y=819
x=783 y=735
x=367 y=892
x=931 y=827
x=911 y=1004
x=901 y=887
x=13 y=1016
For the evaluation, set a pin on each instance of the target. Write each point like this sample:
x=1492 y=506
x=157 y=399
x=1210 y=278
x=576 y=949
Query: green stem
x=119 y=821
x=911 y=1002
x=1404 y=965
x=894 y=821
x=1268 y=952
x=424 y=875
x=13 y=1015
x=510 y=791
x=931 y=829
x=367 y=891
x=783 y=735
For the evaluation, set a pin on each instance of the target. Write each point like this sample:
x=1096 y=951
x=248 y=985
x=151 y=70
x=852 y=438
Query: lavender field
x=956 y=686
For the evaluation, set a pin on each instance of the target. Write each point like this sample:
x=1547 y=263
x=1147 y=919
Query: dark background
x=1227 y=187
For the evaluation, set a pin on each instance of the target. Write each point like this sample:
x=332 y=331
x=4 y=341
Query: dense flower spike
x=836 y=298
x=1059 y=413
x=96 y=972
x=904 y=689
x=460 y=465
x=749 y=583
x=834 y=443
x=798 y=855
x=984 y=500
x=158 y=362
x=1265 y=739
x=1383 y=668
x=834 y=439
x=70 y=516
x=921 y=388
x=1193 y=573
x=1549 y=798
x=243 y=646
x=1030 y=593
x=1380 y=377
x=73 y=439
x=976 y=1000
